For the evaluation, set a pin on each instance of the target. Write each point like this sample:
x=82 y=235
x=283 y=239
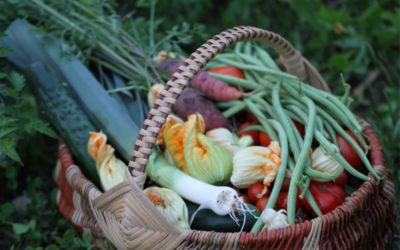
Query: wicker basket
x=129 y=220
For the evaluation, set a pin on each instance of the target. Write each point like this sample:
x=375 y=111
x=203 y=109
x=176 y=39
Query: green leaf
x=4 y=51
x=7 y=147
x=20 y=228
x=6 y=210
x=52 y=247
x=87 y=237
x=42 y=127
x=6 y=131
x=2 y=75
x=17 y=80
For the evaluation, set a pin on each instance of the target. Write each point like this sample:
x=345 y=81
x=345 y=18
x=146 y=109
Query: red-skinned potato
x=256 y=191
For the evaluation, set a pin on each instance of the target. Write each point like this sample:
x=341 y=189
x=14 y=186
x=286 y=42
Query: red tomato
x=299 y=127
x=253 y=134
x=255 y=191
x=261 y=203
x=251 y=118
x=228 y=70
x=281 y=203
x=348 y=152
x=327 y=195
x=245 y=199
x=342 y=179
x=264 y=139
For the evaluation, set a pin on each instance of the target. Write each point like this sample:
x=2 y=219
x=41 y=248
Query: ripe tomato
x=299 y=127
x=255 y=191
x=245 y=198
x=281 y=203
x=261 y=203
x=228 y=70
x=264 y=139
x=253 y=134
x=327 y=195
x=250 y=117
x=348 y=152
x=342 y=179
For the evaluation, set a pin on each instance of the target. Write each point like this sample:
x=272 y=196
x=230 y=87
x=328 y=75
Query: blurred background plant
x=359 y=39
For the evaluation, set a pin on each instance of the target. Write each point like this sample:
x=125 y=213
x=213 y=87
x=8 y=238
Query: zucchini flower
x=111 y=170
x=228 y=140
x=170 y=204
x=195 y=153
x=254 y=164
x=325 y=163
x=153 y=94
x=274 y=219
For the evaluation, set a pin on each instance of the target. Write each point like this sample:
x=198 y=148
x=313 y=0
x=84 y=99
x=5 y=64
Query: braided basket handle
x=290 y=57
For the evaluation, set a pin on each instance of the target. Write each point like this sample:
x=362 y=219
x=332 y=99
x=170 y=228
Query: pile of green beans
x=278 y=98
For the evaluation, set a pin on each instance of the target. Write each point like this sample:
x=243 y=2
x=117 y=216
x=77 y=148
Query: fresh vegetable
x=153 y=94
x=342 y=179
x=256 y=191
x=262 y=203
x=348 y=152
x=220 y=199
x=228 y=140
x=255 y=163
x=274 y=219
x=111 y=170
x=170 y=204
x=253 y=134
x=325 y=163
x=195 y=153
x=211 y=87
x=209 y=221
x=281 y=202
x=327 y=195
x=251 y=118
x=228 y=70
x=264 y=139
x=191 y=101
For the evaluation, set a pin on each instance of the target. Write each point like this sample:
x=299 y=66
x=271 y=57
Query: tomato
x=264 y=139
x=261 y=203
x=255 y=191
x=327 y=195
x=228 y=70
x=348 y=152
x=245 y=198
x=299 y=127
x=250 y=117
x=342 y=179
x=281 y=202
x=253 y=134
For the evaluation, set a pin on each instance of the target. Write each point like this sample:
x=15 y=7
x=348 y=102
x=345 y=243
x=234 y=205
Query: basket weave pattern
x=129 y=220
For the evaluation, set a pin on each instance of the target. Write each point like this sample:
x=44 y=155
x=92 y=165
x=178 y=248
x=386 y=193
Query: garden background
x=359 y=39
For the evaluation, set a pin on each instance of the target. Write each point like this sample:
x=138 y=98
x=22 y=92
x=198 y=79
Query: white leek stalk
x=228 y=140
x=274 y=219
x=325 y=163
x=111 y=170
x=220 y=199
x=170 y=204
x=253 y=164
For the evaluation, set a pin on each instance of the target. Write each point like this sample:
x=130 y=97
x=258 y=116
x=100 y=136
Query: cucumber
x=65 y=116
x=209 y=221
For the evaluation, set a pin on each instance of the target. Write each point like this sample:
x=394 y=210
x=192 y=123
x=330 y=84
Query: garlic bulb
x=253 y=164
x=153 y=94
x=325 y=163
x=228 y=140
x=170 y=204
x=111 y=170
x=274 y=219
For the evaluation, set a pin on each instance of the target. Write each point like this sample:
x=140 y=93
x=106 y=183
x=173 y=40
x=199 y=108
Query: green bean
x=280 y=176
x=305 y=187
x=250 y=59
x=246 y=84
x=266 y=58
x=242 y=66
x=312 y=203
x=238 y=47
x=233 y=110
x=261 y=117
x=333 y=151
x=331 y=132
x=299 y=167
x=247 y=48
x=227 y=104
x=350 y=140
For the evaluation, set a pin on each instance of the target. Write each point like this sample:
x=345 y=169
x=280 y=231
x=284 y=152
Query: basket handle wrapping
x=290 y=57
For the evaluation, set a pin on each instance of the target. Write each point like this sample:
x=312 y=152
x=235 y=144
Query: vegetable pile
x=248 y=146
